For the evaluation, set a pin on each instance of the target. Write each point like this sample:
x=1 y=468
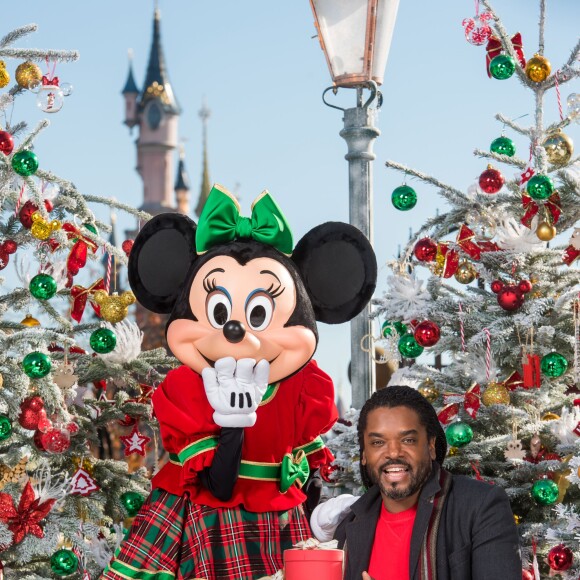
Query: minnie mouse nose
x=234 y=331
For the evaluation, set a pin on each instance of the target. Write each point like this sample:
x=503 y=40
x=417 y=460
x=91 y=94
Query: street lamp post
x=355 y=36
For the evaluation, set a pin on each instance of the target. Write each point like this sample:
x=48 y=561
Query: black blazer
x=477 y=537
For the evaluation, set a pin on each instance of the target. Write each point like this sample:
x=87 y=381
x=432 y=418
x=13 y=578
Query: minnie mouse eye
x=259 y=310
x=219 y=309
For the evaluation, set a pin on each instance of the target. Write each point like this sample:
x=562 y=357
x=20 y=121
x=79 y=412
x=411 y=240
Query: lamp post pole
x=359 y=133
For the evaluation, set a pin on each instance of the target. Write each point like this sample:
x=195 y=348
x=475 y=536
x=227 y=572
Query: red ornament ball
x=427 y=333
x=10 y=246
x=127 y=246
x=72 y=427
x=528 y=575
x=4 y=259
x=491 y=180
x=6 y=142
x=38 y=441
x=496 y=286
x=560 y=558
x=425 y=250
x=325 y=472
x=31 y=411
x=510 y=298
x=525 y=286
x=128 y=421
x=56 y=440
x=28 y=209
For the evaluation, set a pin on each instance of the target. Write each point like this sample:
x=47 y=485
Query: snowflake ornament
x=405 y=298
x=514 y=236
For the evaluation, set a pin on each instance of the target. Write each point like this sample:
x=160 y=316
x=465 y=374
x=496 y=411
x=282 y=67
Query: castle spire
x=157 y=85
x=182 y=184
x=205 y=188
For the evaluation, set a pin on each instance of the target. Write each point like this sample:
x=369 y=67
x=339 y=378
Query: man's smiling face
x=397 y=455
x=261 y=296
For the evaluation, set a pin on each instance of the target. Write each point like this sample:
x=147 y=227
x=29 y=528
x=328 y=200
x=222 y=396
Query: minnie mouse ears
x=160 y=259
x=339 y=269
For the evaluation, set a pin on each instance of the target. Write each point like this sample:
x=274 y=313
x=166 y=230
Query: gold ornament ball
x=465 y=273
x=538 y=68
x=517 y=519
x=453 y=451
x=28 y=74
x=496 y=394
x=29 y=321
x=4 y=76
x=550 y=416
x=546 y=231
x=114 y=308
x=559 y=148
x=430 y=392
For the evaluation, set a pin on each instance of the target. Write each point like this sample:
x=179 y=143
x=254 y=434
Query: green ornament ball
x=554 y=364
x=458 y=434
x=36 y=365
x=25 y=163
x=545 y=491
x=404 y=198
x=103 y=340
x=43 y=286
x=5 y=427
x=64 y=562
x=132 y=502
x=409 y=347
x=387 y=328
x=502 y=67
x=540 y=187
x=503 y=146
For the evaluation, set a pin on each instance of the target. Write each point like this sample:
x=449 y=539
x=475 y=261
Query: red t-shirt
x=292 y=414
x=392 y=545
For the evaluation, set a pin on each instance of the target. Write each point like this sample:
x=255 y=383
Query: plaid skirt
x=173 y=539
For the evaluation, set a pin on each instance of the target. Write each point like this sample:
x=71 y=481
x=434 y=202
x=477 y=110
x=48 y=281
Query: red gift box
x=319 y=564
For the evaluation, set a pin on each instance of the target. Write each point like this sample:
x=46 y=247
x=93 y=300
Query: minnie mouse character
x=242 y=418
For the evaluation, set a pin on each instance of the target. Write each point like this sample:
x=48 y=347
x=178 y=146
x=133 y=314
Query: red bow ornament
x=465 y=241
x=471 y=403
x=78 y=254
x=552 y=204
x=514 y=381
x=80 y=296
x=24 y=520
x=46 y=82
x=494 y=48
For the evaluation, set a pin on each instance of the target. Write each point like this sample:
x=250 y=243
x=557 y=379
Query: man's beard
x=396 y=491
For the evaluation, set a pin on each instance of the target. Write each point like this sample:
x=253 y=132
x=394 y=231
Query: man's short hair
x=402 y=396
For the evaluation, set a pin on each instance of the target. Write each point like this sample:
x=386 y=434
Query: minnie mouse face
x=242 y=311
x=245 y=298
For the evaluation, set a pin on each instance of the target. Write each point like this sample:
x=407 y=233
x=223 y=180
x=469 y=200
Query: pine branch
x=27 y=142
x=16 y=34
x=515 y=161
x=517 y=128
x=40 y=55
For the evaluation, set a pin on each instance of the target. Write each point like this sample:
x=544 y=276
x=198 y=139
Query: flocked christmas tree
x=62 y=500
x=487 y=286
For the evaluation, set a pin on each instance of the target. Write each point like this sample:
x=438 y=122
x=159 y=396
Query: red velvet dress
x=245 y=536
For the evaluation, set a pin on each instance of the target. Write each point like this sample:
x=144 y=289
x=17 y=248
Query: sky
x=262 y=73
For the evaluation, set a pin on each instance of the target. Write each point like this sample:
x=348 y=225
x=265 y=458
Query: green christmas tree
x=486 y=286
x=62 y=500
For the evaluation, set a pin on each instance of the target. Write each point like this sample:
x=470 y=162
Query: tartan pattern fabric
x=174 y=539
x=427 y=557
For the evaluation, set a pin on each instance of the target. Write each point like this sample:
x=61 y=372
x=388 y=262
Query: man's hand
x=365 y=576
x=235 y=389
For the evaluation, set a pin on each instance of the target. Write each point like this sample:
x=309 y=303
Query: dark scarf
x=428 y=555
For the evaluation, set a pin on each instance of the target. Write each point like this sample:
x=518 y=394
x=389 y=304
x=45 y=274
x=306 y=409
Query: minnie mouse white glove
x=326 y=516
x=234 y=389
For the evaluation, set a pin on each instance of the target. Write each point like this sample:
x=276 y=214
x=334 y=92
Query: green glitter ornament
x=502 y=67
x=132 y=502
x=5 y=427
x=503 y=146
x=43 y=286
x=387 y=328
x=25 y=163
x=36 y=365
x=554 y=364
x=458 y=434
x=545 y=491
x=103 y=340
x=409 y=347
x=64 y=562
x=404 y=198
x=540 y=187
